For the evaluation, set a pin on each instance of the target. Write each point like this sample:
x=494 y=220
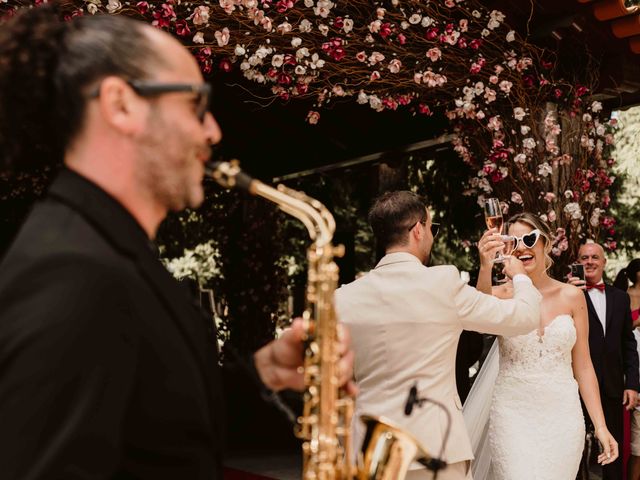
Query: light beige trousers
x=454 y=471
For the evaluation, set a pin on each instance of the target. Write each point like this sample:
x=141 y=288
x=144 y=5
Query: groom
x=406 y=320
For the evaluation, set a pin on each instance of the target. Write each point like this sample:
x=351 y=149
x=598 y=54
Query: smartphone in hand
x=577 y=270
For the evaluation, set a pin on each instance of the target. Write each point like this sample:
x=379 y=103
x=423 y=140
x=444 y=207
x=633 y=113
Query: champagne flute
x=493 y=218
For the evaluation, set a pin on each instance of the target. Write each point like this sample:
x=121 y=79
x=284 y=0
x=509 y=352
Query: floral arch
x=536 y=141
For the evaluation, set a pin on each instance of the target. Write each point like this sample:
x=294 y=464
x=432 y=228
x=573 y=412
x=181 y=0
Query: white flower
x=239 y=50
x=375 y=103
x=305 y=26
x=544 y=169
x=415 y=19
x=300 y=70
x=375 y=57
x=245 y=66
x=476 y=14
x=519 y=113
x=198 y=38
x=520 y=158
x=347 y=25
x=302 y=52
x=363 y=98
x=324 y=30
x=323 y=8
x=313 y=117
x=495 y=123
x=516 y=198
x=434 y=54
x=551 y=215
x=594 y=220
x=596 y=106
x=586 y=117
x=568 y=194
x=296 y=42
x=525 y=129
x=511 y=36
x=113 y=6
x=529 y=143
x=572 y=210
x=284 y=27
x=316 y=62
x=308 y=3
x=92 y=8
x=485 y=33
x=404 y=25
x=228 y=6
x=277 y=60
x=591 y=197
x=427 y=21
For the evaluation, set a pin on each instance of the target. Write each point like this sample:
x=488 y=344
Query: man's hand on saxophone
x=279 y=363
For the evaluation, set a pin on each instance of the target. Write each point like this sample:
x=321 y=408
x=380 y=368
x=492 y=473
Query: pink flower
x=228 y=6
x=432 y=33
x=402 y=39
x=394 y=66
x=361 y=56
x=375 y=75
x=200 y=15
x=222 y=37
x=434 y=54
x=551 y=215
x=475 y=44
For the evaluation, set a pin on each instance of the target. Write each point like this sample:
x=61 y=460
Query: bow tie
x=599 y=286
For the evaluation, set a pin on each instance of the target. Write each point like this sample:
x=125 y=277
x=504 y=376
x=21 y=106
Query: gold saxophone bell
x=387 y=450
x=326 y=419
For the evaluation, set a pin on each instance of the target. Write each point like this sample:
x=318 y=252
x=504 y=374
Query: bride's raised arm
x=585 y=375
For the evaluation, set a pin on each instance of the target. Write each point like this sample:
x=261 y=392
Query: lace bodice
x=532 y=355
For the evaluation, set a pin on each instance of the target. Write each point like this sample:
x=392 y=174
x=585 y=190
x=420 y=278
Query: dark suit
x=107 y=369
x=615 y=361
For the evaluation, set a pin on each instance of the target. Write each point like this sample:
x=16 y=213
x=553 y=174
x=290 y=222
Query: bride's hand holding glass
x=489 y=246
x=608 y=444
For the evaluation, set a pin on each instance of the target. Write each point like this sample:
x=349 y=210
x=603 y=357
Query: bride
x=536 y=425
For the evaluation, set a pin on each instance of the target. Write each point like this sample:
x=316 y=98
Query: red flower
x=385 y=30
x=143 y=7
x=339 y=54
x=284 y=5
x=272 y=73
x=424 y=109
x=289 y=59
x=432 y=33
x=402 y=39
x=302 y=88
x=284 y=79
x=182 y=29
x=475 y=44
x=557 y=92
x=546 y=65
x=338 y=22
x=462 y=43
x=581 y=90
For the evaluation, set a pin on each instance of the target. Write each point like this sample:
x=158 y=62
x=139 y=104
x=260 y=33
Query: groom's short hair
x=393 y=214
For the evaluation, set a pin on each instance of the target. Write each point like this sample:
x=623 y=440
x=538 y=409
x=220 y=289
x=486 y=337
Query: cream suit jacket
x=405 y=321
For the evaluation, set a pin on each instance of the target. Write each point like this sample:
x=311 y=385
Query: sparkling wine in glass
x=493 y=218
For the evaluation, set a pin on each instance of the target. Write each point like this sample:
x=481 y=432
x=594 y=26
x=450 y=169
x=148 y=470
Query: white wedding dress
x=536 y=427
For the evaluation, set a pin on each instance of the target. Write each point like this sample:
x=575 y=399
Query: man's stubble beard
x=164 y=167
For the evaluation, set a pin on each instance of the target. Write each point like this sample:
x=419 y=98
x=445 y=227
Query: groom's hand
x=513 y=266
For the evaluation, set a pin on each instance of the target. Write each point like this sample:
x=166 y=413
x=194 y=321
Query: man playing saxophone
x=406 y=319
x=106 y=369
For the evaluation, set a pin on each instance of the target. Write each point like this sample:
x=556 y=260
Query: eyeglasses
x=435 y=227
x=529 y=240
x=146 y=88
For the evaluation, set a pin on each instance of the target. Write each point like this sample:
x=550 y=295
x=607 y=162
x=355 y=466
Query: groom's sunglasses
x=435 y=227
x=529 y=240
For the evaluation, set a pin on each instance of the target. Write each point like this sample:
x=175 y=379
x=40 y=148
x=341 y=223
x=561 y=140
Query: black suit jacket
x=107 y=369
x=614 y=355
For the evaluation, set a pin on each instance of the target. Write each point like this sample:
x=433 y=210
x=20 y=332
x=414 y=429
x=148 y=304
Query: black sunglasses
x=146 y=88
x=435 y=227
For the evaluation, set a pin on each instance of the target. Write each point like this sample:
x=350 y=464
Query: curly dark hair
x=47 y=65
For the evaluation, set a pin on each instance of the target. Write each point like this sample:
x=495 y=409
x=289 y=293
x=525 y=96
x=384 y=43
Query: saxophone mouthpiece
x=229 y=175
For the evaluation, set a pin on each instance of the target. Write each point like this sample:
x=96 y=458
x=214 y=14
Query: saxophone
x=325 y=422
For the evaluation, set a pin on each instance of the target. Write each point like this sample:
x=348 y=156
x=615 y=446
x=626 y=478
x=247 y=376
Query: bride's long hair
x=535 y=222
